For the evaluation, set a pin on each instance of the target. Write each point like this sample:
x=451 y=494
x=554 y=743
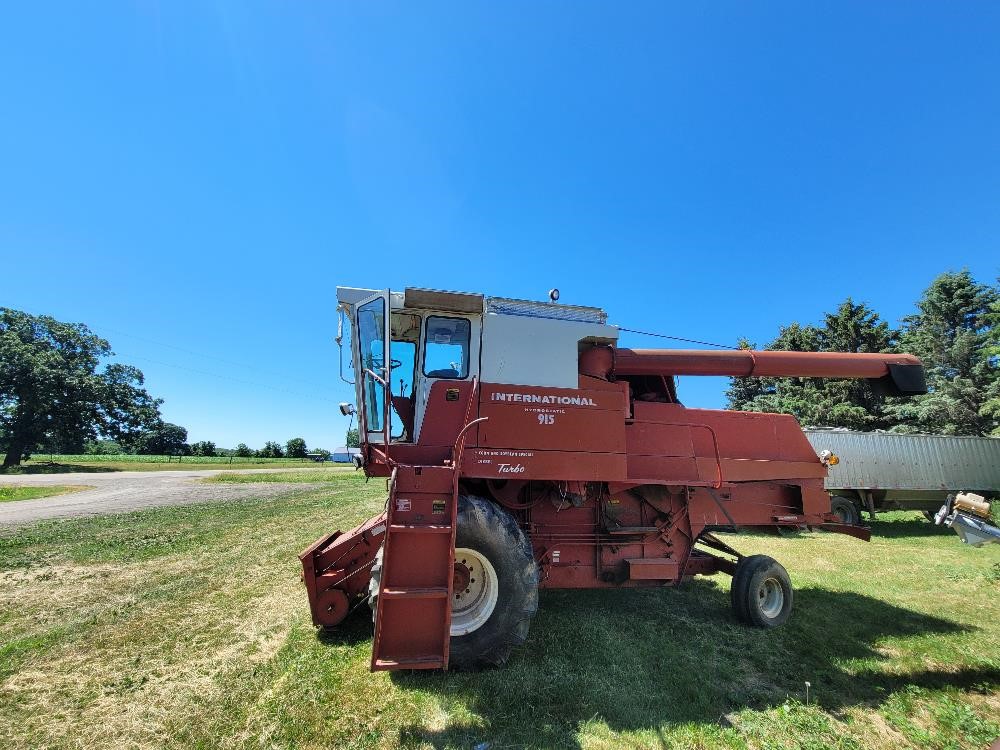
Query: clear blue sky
x=194 y=179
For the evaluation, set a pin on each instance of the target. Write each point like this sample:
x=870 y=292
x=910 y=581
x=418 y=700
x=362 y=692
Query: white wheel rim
x=770 y=597
x=472 y=607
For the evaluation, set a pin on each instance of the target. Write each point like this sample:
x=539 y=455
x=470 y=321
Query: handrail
x=461 y=434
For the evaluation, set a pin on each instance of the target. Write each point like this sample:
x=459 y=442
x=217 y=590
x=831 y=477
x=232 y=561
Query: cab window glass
x=446 y=347
x=403 y=357
x=371 y=337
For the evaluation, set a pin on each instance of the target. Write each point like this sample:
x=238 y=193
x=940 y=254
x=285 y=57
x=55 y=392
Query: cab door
x=450 y=352
x=372 y=366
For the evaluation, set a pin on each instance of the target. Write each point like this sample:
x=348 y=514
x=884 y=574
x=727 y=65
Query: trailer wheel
x=494 y=565
x=761 y=592
x=845 y=509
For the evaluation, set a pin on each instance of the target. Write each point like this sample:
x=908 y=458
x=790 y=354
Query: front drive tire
x=495 y=614
x=761 y=592
x=493 y=534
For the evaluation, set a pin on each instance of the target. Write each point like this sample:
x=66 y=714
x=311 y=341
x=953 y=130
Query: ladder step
x=418 y=662
x=420 y=528
x=430 y=592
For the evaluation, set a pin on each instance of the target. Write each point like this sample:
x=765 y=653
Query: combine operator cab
x=524 y=449
x=398 y=351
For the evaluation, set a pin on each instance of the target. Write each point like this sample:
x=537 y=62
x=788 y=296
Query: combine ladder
x=413 y=615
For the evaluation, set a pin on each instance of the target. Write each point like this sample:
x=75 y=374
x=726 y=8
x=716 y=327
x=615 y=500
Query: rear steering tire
x=761 y=592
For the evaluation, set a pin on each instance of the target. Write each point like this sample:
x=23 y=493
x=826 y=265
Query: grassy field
x=332 y=474
x=187 y=627
x=8 y=494
x=60 y=464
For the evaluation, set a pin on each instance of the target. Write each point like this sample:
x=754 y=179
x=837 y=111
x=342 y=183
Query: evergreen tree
x=990 y=409
x=817 y=401
x=951 y=332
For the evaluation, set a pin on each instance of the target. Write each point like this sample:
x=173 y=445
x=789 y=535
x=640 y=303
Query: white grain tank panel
x=522 y=350
x=880 y=460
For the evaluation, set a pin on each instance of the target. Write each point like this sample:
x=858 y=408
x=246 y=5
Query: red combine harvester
x=525 y=449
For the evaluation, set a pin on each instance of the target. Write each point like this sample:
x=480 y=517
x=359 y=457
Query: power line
x=679 y=338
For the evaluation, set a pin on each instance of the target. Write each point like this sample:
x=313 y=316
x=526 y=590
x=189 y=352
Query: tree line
x=61 y=393
x=954 y=329
x=167 y=439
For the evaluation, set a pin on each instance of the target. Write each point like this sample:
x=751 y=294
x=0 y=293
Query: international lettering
x=534 y=398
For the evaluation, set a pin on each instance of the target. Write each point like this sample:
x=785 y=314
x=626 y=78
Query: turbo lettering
x=508 y=469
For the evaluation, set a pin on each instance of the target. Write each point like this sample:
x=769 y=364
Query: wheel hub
x=460 y=578
x=475 y=589
x=771 y=597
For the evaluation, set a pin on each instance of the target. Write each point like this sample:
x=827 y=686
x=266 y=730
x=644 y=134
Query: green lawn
x=331 y=474
x=187 y=627
x=61 y=464
x=8 y=494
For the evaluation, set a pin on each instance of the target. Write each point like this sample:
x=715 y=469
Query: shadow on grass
x=912 y=526
x=356 y=629
x=639 y=659
x=50 y=467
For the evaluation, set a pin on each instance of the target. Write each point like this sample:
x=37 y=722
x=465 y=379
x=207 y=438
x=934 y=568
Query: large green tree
x=956 y=333
x=295 y=448
x=991 y=405
x=271 y=449
x=162 y=439
x=353 y=438
x=853 y=327
x=55 y=387
x=203 y=448
x=952 y=332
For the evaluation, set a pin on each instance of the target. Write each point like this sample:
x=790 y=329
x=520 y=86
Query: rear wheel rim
x=770 y=597
x=472 y=606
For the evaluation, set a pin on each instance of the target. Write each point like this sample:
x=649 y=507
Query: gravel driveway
x=119 y=492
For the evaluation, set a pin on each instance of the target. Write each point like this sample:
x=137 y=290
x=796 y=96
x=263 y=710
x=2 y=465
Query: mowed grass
x=303 y=476
x=187 y=627
x=61 y=464
x=8 y=494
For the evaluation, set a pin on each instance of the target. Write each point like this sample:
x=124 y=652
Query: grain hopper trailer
x=524 y=449
x=889 y=471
